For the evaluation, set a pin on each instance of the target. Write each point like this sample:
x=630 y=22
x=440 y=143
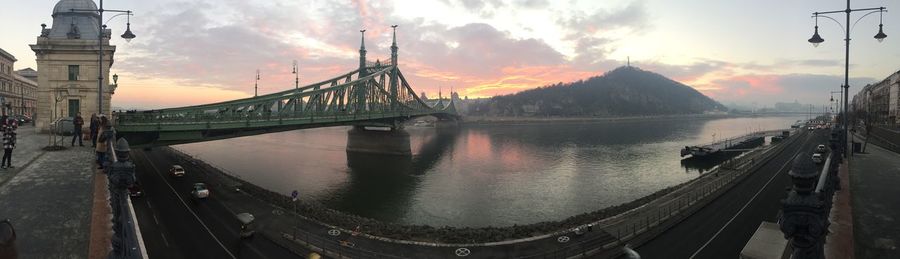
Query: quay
x=739 y=143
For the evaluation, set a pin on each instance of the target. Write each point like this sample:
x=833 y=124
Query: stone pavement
x=874 y=176
x=47 y=197
x=28 y=147
x=839 y=243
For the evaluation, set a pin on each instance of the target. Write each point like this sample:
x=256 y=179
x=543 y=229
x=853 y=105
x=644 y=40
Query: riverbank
x=392 y=232
x=492 y=120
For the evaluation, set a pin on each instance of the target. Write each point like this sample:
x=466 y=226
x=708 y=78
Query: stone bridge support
x=390 y=142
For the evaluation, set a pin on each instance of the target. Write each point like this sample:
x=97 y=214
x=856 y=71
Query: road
x=723 y=227
x=175 y=225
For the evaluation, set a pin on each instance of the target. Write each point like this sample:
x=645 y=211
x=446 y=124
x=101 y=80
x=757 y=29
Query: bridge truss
x=376 y=95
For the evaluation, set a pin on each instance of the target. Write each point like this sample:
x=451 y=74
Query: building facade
x=67 y=61
x=17 y=92
x=880 y=101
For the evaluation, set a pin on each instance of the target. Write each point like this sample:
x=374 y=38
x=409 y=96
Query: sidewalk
x=839 y=243
x=47 y=197
x=876 y=202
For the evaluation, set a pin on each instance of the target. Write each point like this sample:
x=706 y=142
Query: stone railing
x=126 y=241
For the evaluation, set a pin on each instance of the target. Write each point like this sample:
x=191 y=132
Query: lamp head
x=880 y=36
x=115 y=79
x=128 y=35
x=816 y=39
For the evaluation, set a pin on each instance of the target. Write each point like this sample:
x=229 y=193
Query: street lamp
x=832 y=103
x=816 y=40
x=128 y=36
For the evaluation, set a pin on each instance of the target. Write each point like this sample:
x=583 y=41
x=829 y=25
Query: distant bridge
x=376 y=94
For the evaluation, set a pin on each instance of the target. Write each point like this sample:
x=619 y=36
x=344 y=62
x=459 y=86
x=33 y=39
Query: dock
x=731 y=144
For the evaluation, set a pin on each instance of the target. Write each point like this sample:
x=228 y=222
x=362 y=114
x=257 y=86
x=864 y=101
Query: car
x=177 y=171
x=22 y=118
x=821 y=149
x=811 y=128
x=817 y=158
x=246 y=220
x=200 y=191
x=135 y=190
x=63 y=126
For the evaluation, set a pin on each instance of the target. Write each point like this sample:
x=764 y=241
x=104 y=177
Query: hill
x=624 y=91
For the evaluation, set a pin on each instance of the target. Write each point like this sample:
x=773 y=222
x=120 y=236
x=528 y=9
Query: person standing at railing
x=104 y=135
x=9 y=141
x=94 y=128
x=77 y=122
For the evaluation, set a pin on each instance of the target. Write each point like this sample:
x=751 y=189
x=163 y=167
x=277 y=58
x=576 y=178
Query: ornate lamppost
x=128 y=36
x=816 y=40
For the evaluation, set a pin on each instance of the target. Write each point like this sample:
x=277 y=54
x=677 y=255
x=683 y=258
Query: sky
x=752 y=53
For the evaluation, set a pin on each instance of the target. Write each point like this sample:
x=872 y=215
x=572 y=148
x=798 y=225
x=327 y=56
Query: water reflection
x=381 y=185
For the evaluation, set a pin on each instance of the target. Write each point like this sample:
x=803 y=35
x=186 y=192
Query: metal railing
x=126 y=241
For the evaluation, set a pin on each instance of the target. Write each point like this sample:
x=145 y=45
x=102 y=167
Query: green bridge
x=376 y=94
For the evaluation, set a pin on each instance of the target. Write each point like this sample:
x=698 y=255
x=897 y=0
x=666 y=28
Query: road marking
x=750 y=201
x=189 y=208
x=164 y=238
x=155 y=219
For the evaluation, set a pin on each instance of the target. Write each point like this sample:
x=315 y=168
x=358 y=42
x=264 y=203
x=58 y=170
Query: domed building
x=67 y=63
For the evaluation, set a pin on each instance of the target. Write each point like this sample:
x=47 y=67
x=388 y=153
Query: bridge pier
x=449 y=123
x=388 y=142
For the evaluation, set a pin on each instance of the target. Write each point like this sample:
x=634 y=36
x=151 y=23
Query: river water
x=477 y=176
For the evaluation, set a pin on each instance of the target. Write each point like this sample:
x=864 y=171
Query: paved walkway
x=47 y=197
x=874 y=176
x=839 y=243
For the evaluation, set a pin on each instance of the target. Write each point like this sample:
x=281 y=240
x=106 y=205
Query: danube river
x=477 y=176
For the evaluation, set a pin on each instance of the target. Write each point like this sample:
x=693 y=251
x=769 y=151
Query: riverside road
x=175 y=225
x=723 y=227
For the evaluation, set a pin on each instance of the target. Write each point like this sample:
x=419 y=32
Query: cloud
x=770 y=88
x=534 y=4
x=633 y=16
x=485 y=8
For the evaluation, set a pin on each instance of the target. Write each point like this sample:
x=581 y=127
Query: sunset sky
x=746 y=52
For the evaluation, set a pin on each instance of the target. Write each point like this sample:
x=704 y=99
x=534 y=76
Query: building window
x=73 y=72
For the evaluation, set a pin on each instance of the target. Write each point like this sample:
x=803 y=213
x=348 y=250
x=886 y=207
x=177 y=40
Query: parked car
x=200 y=191
x=64 y=126
x=176 y=171
x=135 y=190
x=22 y=118
x=817 y=158
x=821 y=149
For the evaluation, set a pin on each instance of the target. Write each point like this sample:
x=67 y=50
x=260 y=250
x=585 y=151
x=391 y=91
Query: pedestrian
x=77 y=123
x=9 y=142
x=94 y=127
x=104 y=135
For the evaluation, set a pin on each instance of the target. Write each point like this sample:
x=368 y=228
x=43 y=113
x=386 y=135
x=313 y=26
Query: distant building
x=789 y=107
x=881 y=100
x=29 y=73
x=17 y=92
x=67 y=63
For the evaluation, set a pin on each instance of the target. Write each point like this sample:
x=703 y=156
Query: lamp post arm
x=114 y=16
x=864 y=16
x=840 y=25
x=851 y=10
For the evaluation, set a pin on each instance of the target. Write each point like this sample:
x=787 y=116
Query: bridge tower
x=394 y=71
x=361 y=86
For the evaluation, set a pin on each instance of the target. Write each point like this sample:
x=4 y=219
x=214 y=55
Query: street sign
x=294 y=195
